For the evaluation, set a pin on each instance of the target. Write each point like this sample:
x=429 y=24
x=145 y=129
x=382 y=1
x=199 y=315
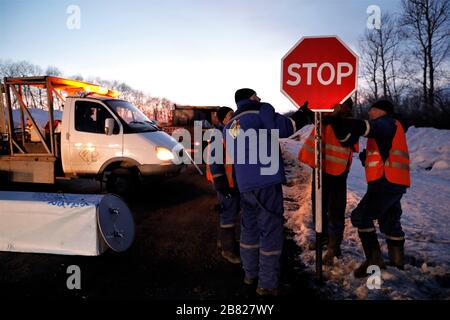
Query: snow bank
x=425 y=220
x=430 y=150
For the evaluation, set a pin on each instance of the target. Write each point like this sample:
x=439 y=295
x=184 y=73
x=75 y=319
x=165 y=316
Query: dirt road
x=174 y=256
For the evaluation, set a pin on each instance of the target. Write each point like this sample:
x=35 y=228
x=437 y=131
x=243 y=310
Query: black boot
x=333 y=249
x=227 y=241
x=396 y=250
x=372 y=252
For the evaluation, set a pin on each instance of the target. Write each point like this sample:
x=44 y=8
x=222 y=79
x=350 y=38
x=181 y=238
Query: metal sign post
x=318 y=193
x=301 y=81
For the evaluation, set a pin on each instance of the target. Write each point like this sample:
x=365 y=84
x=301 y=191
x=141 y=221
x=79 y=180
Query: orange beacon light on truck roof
x=67 y=85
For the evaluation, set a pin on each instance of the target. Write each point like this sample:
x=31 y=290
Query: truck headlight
x=164 y=154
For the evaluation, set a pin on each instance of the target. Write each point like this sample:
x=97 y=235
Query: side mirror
x=109 y=126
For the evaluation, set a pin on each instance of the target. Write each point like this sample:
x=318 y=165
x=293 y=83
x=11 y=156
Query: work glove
x=333 y=120
x=221 y=185
x=302 y=116
x=304 y=107
x=362 y=157
x=307 y=112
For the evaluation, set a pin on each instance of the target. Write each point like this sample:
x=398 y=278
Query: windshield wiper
x=146 y=123
x=153 y=124
x=140 y=122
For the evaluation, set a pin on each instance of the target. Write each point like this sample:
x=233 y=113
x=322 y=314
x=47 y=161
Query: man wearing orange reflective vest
x=338 y=149
x=386 y=162
x=220 y=173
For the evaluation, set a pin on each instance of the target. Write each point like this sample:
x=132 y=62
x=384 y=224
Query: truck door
x=89 y=146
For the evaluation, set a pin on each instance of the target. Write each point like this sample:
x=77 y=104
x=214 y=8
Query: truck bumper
x=170 y=169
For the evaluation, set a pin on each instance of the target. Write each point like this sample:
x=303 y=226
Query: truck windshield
x=132 y=116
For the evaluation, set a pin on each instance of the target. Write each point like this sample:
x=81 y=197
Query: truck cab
x=98 y=136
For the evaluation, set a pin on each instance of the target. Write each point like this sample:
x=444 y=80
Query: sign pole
x=318 y=193
x=302 y=80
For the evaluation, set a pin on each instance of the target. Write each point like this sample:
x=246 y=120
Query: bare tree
x=22 y=69
x=53 y=71
x=370 y=61
x=389 y=40
x=380 y=50
x=77 y=77
x=19 y=69
x=427 y=21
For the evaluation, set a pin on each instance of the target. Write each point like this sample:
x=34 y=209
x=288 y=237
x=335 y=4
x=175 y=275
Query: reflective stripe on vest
x=337 y=158
x=306 y=154
x=228 y=173
x=396 y=167
x=228 y=168
x=336 y=148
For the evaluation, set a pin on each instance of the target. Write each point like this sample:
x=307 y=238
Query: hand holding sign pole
x=323 y=71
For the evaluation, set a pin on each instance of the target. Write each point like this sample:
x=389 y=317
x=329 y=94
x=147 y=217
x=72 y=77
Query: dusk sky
x=192 y=52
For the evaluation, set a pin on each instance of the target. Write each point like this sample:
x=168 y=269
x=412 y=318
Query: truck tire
x=122 y=182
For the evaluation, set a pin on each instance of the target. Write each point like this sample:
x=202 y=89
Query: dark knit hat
x=385 y=105
x=242 y=94
x=222 y=113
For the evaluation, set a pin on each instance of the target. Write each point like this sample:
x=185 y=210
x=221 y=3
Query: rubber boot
x=227 y=241
x=396 y=250
x=333 y=249
x=372 y=252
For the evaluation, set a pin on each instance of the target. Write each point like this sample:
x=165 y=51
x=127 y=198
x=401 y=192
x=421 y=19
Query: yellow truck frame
x=37 y=165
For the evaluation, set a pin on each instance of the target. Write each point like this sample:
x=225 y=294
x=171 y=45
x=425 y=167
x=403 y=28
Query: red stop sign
x=320 y=70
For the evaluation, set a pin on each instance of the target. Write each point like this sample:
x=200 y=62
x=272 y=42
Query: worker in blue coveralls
x=256 y=125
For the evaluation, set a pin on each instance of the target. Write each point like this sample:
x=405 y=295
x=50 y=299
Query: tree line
x=406 y=60
x=155 y=108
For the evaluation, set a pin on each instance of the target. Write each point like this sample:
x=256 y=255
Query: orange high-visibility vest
x=336 y=157
x=396 y=167
x=228 y=166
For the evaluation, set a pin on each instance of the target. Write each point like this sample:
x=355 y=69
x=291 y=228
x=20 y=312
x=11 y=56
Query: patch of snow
x=429 y=150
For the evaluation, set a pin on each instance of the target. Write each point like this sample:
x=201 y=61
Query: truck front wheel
x=122 y=182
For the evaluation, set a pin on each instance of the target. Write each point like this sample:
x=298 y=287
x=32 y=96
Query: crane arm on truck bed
x=22 y=158
x=13 y=90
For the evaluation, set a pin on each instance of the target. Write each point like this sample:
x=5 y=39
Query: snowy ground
x=425 y=220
